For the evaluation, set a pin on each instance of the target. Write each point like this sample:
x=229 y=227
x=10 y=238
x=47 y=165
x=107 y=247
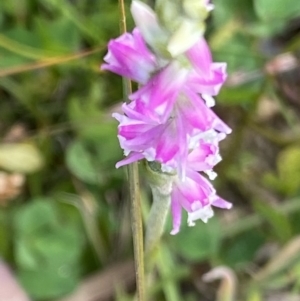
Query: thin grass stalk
x=136 y=213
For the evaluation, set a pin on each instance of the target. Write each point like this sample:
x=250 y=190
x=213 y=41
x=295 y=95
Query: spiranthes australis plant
x=169 y=122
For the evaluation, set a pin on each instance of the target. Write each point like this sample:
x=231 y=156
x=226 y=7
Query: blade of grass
x=166 y=266
x=22 y=49
x=82 y=23
x=47 y=62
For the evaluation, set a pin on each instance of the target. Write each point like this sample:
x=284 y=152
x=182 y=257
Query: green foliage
x=280 y=224
x=59 y=35
x=80 y=163
x=200 y=242
x=288 y=168
x=4 y=235
x=47 y=249
x=232 y=9
x=276 y=10
x=242 y=250
x=52 y=89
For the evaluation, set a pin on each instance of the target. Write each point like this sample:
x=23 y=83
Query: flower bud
x=146 y=21
x=186 y=36
x=196 y=9
x=168 y=14
x=184 y=20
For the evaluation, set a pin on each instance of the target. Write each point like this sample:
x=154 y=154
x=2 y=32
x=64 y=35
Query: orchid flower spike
x=169 y=122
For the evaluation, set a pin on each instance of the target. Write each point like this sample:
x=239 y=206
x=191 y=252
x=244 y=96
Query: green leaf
x=80 y=163
x=87 y=115
x=244 y=95
x=39 y=213
x=58 y=35
x=24 y=37
x=229 y=9
x=278 y=221
x=243 y=248
x=239 y=53
x=47 y=249
x=12 y=7
x=272 y=10
x=8 y=59
x=199 y=242
x=64 y=246
x=49 y=283
x=25 y=256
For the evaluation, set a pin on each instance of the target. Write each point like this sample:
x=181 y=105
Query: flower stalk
x=169 y=121
x=134 y=193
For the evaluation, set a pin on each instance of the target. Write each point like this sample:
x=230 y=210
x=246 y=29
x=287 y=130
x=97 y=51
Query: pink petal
x=219 y=202
x=162 y=89
x=130 y=159
x=200 y=57
x=128 y=56
x=176 y=212
x=208 y=84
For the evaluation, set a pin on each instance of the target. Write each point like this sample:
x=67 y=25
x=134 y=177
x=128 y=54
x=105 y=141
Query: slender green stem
x=137 y=229
x=136 y=214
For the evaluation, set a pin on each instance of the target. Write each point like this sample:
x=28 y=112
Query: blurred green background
x=64 y=209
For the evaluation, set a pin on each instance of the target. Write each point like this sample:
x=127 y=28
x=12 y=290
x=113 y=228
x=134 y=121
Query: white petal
x=210 y=102
x=204 y=214
x=211 y=174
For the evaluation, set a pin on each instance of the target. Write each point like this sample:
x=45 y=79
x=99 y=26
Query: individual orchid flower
x=129 y=56
x=206 y=77
x=141 y=136
x=200 y=57
x=196 y=195
x=161 y=91
x=205 y=118
x=204 y=157
x=208 y=85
